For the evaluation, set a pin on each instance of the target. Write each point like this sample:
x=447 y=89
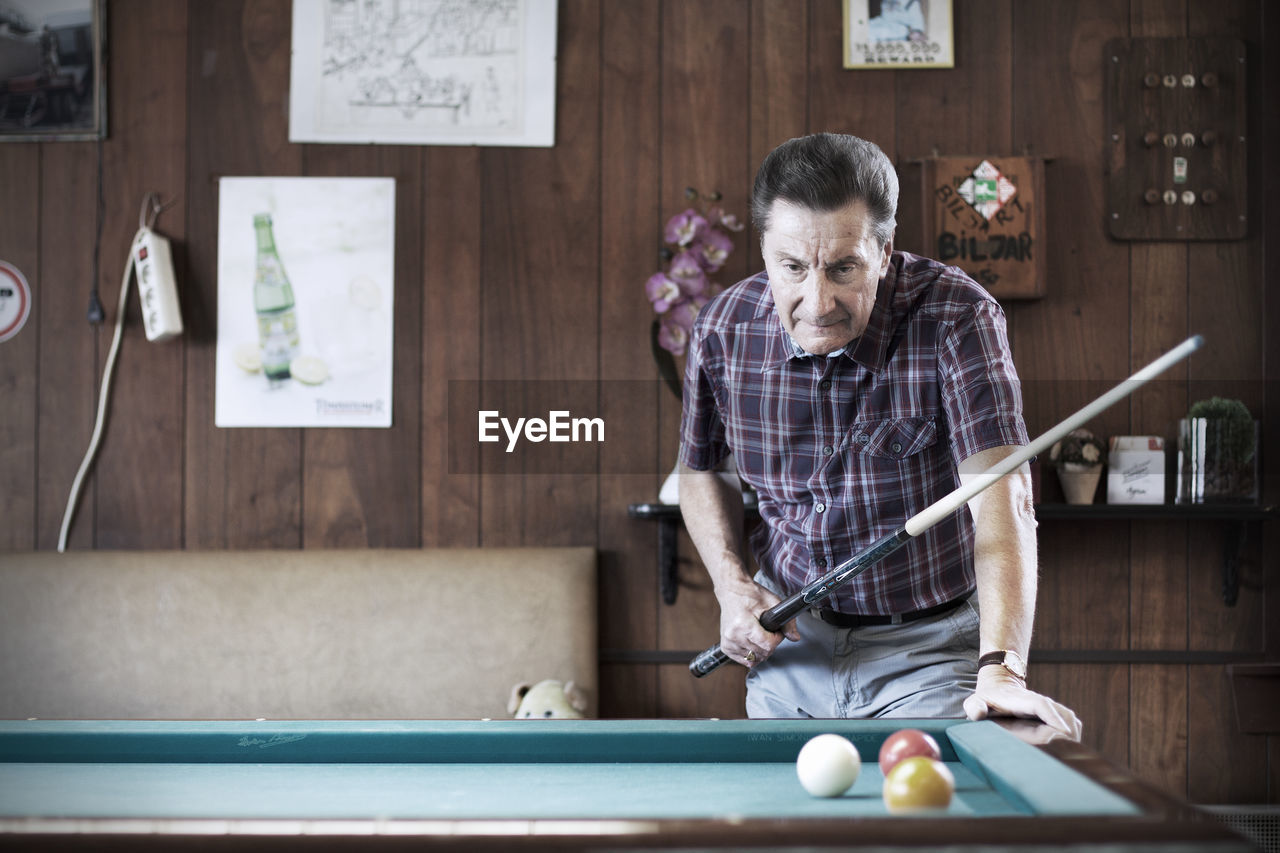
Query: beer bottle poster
x=305 y=302
x=985 y=215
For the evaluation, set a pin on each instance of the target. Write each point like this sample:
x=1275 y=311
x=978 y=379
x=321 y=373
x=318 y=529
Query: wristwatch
x=1010 y=660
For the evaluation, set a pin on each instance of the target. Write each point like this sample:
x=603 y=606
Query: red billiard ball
x=905 y=743
x=917 y=784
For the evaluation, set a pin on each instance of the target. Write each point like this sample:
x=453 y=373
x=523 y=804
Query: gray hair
x=825 y=172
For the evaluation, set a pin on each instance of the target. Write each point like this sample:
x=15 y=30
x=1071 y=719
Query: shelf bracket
x=668 y=561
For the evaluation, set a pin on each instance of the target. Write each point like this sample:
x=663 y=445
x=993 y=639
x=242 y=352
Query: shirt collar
x=868 y=349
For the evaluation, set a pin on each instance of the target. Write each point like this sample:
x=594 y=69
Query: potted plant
x=1078 y=459
x=1217 y=453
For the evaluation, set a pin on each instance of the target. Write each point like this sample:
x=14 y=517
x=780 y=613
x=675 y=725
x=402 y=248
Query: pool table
x=549 y=784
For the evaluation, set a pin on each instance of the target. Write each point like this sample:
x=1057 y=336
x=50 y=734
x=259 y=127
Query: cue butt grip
x=773 y=620
x=709 y=661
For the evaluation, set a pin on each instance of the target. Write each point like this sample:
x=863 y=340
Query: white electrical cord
x=104 y=394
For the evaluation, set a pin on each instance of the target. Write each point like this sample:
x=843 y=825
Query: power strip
x=157 y=286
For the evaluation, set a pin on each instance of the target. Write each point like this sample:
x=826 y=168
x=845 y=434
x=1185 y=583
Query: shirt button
x=826 y=451
x=825 y=384
x=821 y=562
x=863 y=438
x=820 y=507
x=897 y=447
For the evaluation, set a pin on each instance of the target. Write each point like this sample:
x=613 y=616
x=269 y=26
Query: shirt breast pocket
x=893 y=438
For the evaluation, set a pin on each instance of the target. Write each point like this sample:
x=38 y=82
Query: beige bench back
x=312 y=634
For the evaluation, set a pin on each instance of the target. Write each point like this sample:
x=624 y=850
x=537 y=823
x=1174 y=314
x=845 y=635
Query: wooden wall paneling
x=1268 y=134
x=1226 y=296
x=1158 y=549
x=1223 y=765
x=1273 y=769
x=450 y=236
x=540 y=308
x=1073 y=344
x=1158 y=18
x=847 y=101
x=19 y=365
x=779 y=103
x=958 y=111
x=138 y=473
x=243 y=486
x=965 y=109
x=68 y=344
x=1158 y=725
x=1099 y=695
x=706 y=144
x=630 y=236
x=361 y=487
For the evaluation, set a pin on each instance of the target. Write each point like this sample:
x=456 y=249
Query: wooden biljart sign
x=985 y=215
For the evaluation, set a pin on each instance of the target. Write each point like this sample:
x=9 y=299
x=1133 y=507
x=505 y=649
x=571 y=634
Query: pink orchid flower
x=672 y=338
x=688 y=271
x=715 y=248
x=717 y=216
x=683 y=314
x=663 y=291
x=683 y=228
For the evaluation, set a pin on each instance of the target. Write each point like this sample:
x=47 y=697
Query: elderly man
x=855 y=386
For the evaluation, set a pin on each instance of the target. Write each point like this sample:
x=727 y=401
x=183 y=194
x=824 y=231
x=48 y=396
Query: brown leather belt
x=856 y=620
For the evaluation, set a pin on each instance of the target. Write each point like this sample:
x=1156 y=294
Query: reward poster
x=305 y=286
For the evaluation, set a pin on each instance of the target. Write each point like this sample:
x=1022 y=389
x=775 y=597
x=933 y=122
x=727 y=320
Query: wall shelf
x=1238 y=516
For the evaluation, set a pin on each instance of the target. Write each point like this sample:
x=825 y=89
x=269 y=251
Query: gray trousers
x=925 y=668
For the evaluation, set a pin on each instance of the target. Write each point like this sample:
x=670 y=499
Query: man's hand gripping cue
x=742 y=637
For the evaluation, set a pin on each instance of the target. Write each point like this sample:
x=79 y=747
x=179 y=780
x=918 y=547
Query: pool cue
x=780 y=614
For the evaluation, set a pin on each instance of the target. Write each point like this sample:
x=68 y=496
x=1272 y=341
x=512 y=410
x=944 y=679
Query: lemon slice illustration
x=248 y=357
x=309 y=370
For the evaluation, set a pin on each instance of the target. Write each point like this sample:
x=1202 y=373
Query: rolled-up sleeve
x=702 y=433
x=980 y=390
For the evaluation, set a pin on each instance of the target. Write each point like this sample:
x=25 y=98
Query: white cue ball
x=828 y=765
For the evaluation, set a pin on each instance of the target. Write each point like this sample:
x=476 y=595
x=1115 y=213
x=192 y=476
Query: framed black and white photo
x=898 y=34
x=51 y=70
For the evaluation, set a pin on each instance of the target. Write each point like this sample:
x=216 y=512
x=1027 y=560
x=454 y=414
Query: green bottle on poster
x=273 y=301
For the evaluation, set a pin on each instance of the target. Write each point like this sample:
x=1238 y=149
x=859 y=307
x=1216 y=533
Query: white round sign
x=15 y=301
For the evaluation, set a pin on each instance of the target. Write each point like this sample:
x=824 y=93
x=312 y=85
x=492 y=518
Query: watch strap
x=1011 y=661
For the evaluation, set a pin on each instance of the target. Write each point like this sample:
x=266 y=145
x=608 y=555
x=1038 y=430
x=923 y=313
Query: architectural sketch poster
x=305 y=285
x=433 y=72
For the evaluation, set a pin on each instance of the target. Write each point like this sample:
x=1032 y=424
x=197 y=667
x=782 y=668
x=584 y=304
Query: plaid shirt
x=843 y=449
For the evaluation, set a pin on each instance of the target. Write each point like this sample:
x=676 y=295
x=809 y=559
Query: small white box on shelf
x=1135 y=470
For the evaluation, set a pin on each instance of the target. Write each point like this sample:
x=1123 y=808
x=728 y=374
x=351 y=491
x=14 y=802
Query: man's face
x=824 y=269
